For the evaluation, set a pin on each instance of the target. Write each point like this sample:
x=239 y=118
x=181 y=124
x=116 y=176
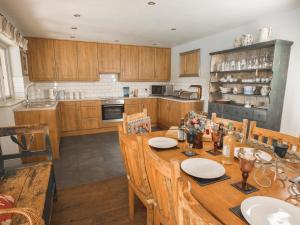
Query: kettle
x=264 y=34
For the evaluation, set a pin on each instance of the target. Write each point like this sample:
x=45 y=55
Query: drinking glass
x=215 y=138
x=246 y=161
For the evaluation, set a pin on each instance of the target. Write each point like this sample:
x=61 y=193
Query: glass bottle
x=181 y=131
x=229 y=143
x=222 y=134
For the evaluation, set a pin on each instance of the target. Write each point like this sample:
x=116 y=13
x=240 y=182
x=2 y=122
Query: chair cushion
x=138 y=126
x=6 y=202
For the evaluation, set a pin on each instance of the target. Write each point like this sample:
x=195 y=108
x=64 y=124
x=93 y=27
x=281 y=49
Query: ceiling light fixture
x=76 y=15
x=72 y=36
x=154 y=44
x=116 y=41
x=74 y=28
x=172 y=29
x=151 y=3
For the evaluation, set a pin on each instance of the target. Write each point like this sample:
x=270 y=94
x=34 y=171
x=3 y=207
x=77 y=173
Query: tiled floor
x=88 y=158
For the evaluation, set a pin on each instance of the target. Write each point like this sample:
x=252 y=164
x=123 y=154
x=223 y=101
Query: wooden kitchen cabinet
x=163 y=112
x=87 y=61
x=90 y=114
x=66 y=60
x=109 y=58
x=151 y=105
x=41 y=61
x=48 y=117
x=189 y=63
x=129 y=63
x=146 y=63
x=162 y=64
x=70 y=116
x=132 y=106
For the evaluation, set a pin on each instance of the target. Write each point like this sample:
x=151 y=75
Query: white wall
x=285 y=26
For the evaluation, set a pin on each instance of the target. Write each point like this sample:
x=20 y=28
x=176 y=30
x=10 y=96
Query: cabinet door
x=89 y=115
x=66 y=59
x=129 y=63
x=151 y=105
x=133 y=106
x=87 y=61
x=192 y=63
x=174 y=113
x=183 y=58
x=41 y=62
x=163 y=112
x=162 y=64
x=146 y=63
x=70 y=117
x=109 y=58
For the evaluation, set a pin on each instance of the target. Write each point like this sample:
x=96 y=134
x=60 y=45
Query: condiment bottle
x=229 y=143
x=181 y=131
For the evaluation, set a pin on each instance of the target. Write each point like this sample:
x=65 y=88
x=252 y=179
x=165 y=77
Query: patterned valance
x=7 y=29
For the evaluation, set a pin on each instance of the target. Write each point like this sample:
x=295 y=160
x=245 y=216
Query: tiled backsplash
x=107 y=86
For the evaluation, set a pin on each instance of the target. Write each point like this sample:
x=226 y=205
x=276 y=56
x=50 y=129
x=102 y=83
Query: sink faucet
x=27 y=92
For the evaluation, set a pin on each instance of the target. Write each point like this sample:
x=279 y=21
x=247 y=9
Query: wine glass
x=215 y=138
x=246 y=161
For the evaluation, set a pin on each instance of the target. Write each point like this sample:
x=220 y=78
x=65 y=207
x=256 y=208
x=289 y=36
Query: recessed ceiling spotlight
x=74 y=28
x=173 y=29
x=76 y=15
x=154 y=44
x=116 y=41
x=151 y=3
x=72 y=36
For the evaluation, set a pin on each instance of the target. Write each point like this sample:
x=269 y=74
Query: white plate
x=261 y=210
x=202 y=168
x=162 y=142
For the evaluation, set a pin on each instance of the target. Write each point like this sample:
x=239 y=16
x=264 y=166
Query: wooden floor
x=104 y=202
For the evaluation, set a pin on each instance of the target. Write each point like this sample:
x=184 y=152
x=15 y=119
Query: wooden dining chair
x=190 y=211
x=133 y=117
x=162 y=176
x=241 y=127
x=132 y=152
x=270 y=136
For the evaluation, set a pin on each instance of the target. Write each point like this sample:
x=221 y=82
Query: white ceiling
x=134 y=21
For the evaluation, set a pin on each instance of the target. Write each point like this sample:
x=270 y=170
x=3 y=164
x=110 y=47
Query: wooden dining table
x=219 y=197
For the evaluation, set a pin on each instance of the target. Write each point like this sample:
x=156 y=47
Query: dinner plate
x=162 y=142
x=202 y=168
x=264 y=210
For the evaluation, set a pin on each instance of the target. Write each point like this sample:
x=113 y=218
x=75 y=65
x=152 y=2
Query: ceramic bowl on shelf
x=237 y=90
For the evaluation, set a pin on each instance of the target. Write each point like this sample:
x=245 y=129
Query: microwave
x=161 y=90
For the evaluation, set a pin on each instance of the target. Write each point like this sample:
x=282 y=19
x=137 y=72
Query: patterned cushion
x=139 y=126
x=6 y=202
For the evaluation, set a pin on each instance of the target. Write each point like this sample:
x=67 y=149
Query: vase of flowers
x=195 y=126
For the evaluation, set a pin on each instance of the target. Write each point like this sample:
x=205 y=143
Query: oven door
x=112 y=112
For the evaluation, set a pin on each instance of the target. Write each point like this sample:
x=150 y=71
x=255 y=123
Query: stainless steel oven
x=112 y=110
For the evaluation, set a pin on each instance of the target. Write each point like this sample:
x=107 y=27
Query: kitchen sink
x=47 y=104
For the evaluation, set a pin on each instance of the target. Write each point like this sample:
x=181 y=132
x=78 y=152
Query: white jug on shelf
x=264 y=34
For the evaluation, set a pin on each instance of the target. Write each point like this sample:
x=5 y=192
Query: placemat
x=249 y=191
x=212 y=152
x=189 y=155
x=237 y=211
x=204 y=182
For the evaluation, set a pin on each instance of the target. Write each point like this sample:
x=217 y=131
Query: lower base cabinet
x=170 y=112
x=133 y=106
x=48 y=117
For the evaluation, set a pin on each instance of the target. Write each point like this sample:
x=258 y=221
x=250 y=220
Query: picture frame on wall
x=24 y=63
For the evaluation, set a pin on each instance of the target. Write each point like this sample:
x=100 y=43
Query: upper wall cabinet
x=66 y=59
x=146 y=63
x=87 y=61
x=189 y=63
x=61 y=60
x=162 y=64
x=41 y=59
x=129 y=63
x=109 y=58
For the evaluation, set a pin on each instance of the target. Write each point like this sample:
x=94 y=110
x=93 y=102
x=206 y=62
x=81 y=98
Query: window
x=5 y=74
